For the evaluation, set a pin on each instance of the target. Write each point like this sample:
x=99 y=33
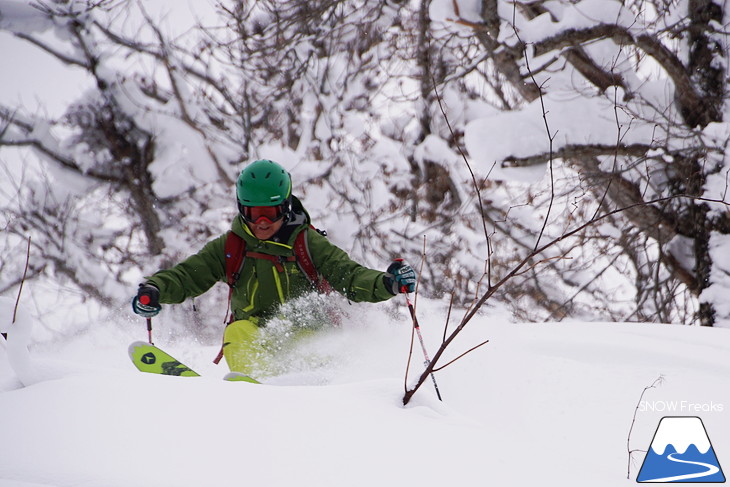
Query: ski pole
x=145 y=300
x=427 y=360
x=149 y=330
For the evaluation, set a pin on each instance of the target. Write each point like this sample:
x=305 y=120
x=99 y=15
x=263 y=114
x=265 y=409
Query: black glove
x=400 y=277
x=147 y=301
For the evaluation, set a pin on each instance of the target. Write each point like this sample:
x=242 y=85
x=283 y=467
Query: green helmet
x=263 y=183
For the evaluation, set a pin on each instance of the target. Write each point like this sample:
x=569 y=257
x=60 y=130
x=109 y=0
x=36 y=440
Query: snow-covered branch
x=576 y=151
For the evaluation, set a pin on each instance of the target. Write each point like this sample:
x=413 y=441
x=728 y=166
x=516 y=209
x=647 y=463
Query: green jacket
x=261 y=288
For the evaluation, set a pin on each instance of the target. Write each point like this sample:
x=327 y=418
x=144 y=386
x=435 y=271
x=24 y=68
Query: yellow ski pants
x=239 y=346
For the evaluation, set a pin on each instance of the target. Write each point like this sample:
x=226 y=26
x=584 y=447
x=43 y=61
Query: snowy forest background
x=467 y=136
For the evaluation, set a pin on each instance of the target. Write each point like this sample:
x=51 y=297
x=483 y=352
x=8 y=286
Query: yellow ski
x=148 y=358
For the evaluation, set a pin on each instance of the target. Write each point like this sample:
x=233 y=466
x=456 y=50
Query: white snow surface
x=540 y=404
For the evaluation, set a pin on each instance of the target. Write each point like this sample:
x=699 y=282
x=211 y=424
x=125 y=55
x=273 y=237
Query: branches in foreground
x=432 y=366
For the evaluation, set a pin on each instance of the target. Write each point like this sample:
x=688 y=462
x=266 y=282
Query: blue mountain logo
x=681 y=452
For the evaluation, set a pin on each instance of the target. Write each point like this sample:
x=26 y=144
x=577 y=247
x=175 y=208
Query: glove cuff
x=390 y=283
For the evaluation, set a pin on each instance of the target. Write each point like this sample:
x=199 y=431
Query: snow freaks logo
x=681 y=407
x=681 y=452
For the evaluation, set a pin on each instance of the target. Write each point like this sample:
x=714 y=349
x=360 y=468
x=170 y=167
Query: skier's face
x=264 y=221
x=264 y=229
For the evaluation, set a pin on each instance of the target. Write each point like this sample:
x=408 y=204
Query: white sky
x=34 y=79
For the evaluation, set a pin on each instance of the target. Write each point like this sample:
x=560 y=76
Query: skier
x=284 y=258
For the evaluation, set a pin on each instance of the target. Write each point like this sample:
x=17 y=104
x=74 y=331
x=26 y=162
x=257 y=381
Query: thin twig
x=420 y=273
x=448 y=315
x=460 y=356
x=618 y=139
x=657 y=382
x=410 y=356
x=474 y=180
x=551 y=137
x=20 y=289
x=542 y=261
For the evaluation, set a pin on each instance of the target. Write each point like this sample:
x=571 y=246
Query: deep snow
x=541 y=404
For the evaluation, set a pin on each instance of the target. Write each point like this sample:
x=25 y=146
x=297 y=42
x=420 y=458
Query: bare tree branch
x=690 y=101
x=575 y=151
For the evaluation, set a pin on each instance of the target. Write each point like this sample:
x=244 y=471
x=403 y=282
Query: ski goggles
x=254 y=214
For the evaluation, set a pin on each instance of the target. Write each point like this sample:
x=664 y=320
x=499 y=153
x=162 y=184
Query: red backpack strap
x=306 y=264
x=277 y=260
x=235 y=252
